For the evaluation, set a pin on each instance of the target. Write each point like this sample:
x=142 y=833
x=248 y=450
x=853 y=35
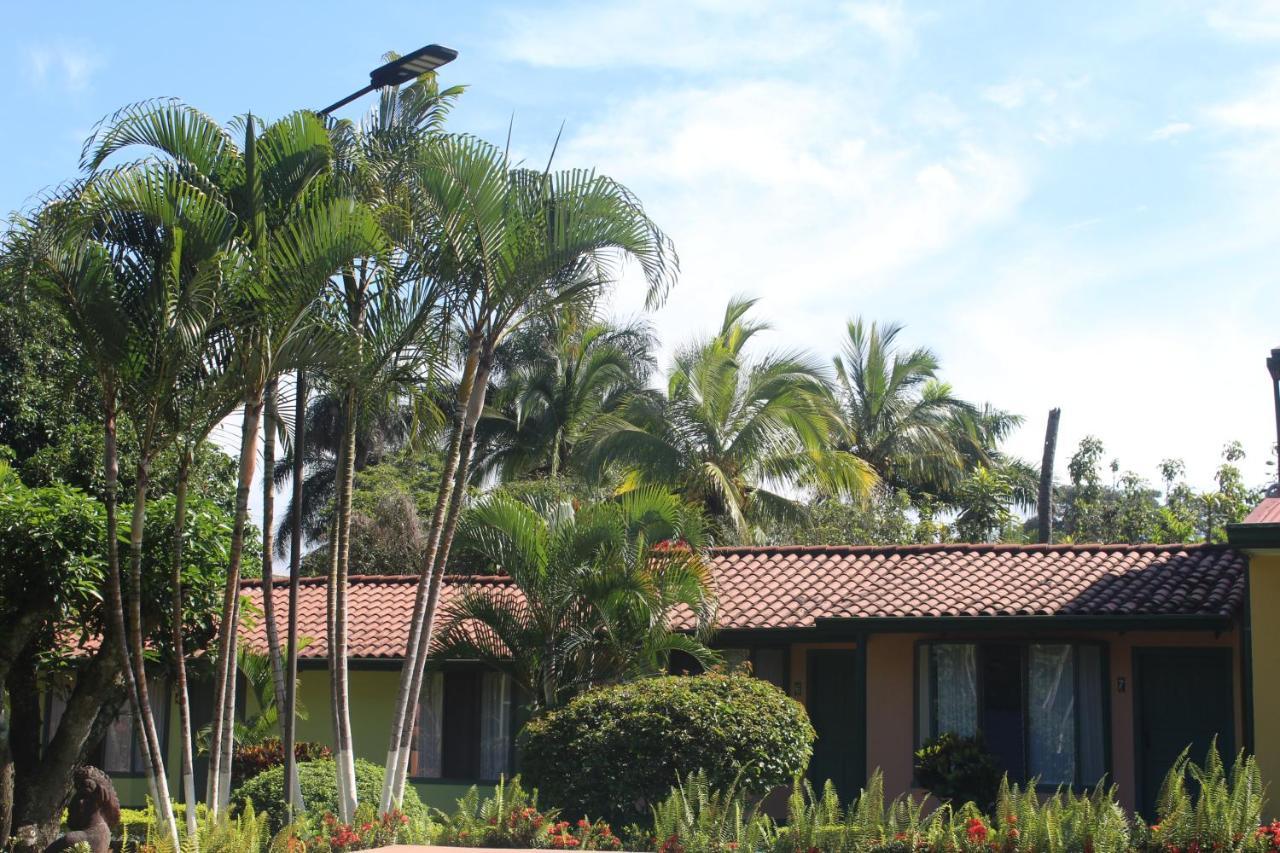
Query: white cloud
x=1249 y=20
x=802 y=194
x=735 y=37
x=1257 y=110
x=1170 y=130
x=70 y=66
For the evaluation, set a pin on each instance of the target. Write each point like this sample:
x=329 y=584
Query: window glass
x=1092 y=732
x=424 y=762
x=495 y=725
x=463 y=728
x=955 y=688
x=1051 y=723
x=121 y=746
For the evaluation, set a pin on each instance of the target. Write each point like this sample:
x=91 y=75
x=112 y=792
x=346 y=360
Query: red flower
x=976 y=830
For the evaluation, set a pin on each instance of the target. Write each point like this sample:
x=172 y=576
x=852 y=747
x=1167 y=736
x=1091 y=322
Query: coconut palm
x=593 y=591
x=899 y=418
x=517 y=243
x=732 y=432
x=563 y=373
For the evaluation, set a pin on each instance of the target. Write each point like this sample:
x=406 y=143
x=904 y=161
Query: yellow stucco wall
x=1264 y=600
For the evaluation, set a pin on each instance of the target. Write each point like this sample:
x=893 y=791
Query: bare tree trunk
x=222 y=739
x=152 y=755
x=268 y=550
x=179 y=653
x=1044 y=505
x=292 y=784
x=339 y=564
x=410 y=678
x=475 y=405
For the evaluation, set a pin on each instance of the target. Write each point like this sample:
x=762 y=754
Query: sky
x=1073 y=205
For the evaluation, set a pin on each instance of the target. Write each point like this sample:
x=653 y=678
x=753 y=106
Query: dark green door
x=1183 y=698
x=836 y=709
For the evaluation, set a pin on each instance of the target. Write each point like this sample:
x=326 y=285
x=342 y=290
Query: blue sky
x=1073 y=204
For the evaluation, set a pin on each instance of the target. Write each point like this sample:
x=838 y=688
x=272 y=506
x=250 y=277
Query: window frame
x=752 y=649
x=1023 y=643
x=514 y=720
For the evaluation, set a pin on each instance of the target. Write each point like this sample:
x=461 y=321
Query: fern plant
x=696 y=818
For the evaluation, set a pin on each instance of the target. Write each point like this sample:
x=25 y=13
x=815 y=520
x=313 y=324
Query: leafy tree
x=595 y=584
x=731 y=429
x=984 y=497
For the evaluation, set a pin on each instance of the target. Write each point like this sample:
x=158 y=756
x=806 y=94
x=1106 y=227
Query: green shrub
x=319 y=781
x=958 y=769
x=614 y=751
x=249 y=760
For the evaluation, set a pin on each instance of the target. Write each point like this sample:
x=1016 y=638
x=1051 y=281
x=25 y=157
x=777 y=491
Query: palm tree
x=596 y=589
x=517 y=243
x=562 y=374
x=295 y=236
x=731 y=432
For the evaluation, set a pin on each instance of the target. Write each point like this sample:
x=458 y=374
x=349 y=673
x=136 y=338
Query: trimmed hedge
x=614 y=751
x=319 y=781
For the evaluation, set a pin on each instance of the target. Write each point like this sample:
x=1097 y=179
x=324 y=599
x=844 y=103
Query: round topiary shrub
x=319 y=781
x=613 y=751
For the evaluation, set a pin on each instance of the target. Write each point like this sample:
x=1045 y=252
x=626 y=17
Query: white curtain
x=1051 y=721
x=955 y=685
x=121 y=747
x=495 y=725
x=1089 y=713
x=425 y=762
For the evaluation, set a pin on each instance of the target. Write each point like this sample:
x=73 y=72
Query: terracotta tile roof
x=786 y=587
x=379 y=609
x=1267 y=512
x=796 y=587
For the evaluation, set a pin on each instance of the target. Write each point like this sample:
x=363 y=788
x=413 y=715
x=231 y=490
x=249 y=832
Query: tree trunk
x=221 y=741
x=1044 y=503
x=410 y=687
x=41 y=794
x=268 y=550
x=115 y=628
x=292 y=784
x=179 y=653
x=339 y=565
x=149 y=738
x=475 y=405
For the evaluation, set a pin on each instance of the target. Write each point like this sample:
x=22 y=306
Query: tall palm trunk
x=180 y=659
x=268 y=520
x=401 y=735
x=292 y=785
x=444 y=540
x=222 y=739
x=153 y=756
x=116 y=626
x=339 y=564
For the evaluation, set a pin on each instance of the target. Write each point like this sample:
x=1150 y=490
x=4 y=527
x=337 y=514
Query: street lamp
x=1273 y=367
x=401 y=70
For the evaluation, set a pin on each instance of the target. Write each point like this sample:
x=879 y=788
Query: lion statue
x=93 y=812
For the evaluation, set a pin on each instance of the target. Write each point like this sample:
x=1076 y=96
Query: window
x=121 y=749
x=1039 y=706
x=767 y=663
x=463 y=729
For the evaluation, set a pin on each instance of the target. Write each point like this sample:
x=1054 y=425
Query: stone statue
x=93 y=812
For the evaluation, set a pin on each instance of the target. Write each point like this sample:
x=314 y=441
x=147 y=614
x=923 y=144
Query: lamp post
x=401 y=70
x=1273 y=367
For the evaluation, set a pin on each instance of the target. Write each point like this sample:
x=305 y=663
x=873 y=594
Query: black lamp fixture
x=402 y=70
x=1273 y=367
